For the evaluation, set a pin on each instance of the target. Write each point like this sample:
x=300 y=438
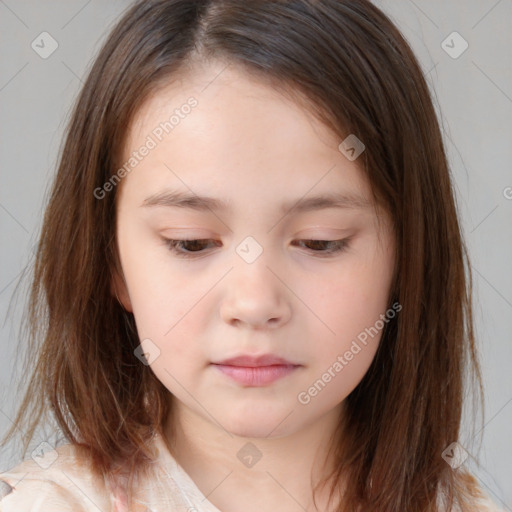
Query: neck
x=263 y=473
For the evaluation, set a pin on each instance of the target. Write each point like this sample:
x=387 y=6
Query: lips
x=254 y=371
x=256 y=362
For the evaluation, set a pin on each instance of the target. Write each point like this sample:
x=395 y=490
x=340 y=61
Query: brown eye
x=326 y=246
x=189 y=248
x=186 y=248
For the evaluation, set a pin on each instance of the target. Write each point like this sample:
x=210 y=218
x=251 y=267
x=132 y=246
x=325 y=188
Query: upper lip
x=252 y=361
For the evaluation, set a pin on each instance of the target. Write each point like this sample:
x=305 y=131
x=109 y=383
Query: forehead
x=240 y=133
x=229 y=99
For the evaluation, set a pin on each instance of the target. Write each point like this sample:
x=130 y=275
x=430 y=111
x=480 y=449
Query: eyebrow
x=171 y=198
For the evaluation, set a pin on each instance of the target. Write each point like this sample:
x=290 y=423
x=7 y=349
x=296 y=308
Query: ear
x=119 y=290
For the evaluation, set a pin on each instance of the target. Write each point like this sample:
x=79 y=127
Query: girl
x=250 y=286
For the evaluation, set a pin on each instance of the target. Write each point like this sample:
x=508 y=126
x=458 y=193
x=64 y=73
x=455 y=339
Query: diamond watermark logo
x=249 y=455
x=249 y=249
x=455 y=455
x=147 y=352
x=351 y=147
x=44 y=45
x=44 y=455
x=454 y=45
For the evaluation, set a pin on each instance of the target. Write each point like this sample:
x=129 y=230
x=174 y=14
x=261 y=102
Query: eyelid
x=341 y=245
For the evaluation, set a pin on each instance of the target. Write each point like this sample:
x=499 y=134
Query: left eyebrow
x=170 y=198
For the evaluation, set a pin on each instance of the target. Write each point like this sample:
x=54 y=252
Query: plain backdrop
x=473 y=95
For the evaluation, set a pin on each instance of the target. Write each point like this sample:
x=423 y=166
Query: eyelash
x=176 y=246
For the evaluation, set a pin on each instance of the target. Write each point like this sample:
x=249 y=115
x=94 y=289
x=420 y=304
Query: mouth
x=256 y=371
x=256 y=375
x=256 y=361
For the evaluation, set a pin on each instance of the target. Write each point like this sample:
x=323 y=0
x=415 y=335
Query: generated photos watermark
x=152 y=140
x=304 y=397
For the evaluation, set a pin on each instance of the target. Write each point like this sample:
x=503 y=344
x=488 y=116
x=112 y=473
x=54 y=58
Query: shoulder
x=485 y=504
x=481 y=501
x=57 y=480
x=475 y=499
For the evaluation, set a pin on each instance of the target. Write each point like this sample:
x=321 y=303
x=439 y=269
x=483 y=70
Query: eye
x=326 y=247
x=192 y=247
x=186 y=248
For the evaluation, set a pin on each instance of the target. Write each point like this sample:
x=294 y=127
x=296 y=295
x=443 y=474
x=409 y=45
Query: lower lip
x=257 y=376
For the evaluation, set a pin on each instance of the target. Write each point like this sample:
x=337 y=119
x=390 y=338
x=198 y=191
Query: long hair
x=355 y=72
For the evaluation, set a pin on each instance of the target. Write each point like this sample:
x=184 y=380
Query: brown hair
x=358 y=75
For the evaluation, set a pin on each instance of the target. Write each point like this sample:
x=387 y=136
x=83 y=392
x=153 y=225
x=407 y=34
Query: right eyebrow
x=177 y=199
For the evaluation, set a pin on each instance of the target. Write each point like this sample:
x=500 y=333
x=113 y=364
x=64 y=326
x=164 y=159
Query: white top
x=68 y=485
x=60 y=481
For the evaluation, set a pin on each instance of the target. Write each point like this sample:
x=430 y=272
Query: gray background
x=473 y=95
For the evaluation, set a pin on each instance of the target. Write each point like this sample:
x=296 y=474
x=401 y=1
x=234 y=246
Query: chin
x=257 y=424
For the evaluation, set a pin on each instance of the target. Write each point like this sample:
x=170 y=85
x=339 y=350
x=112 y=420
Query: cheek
x=352 y=306
x=170 y=314
x=345 y=347
x=167 y=307
x=181 y=359
x=172 y=321
x=350 y=302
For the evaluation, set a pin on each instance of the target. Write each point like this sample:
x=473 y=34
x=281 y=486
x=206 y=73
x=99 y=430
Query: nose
x=255 y=296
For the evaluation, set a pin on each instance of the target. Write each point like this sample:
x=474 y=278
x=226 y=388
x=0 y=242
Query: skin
x=250 y=146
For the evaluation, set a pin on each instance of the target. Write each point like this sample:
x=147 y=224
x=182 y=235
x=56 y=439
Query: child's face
x=256 y=285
